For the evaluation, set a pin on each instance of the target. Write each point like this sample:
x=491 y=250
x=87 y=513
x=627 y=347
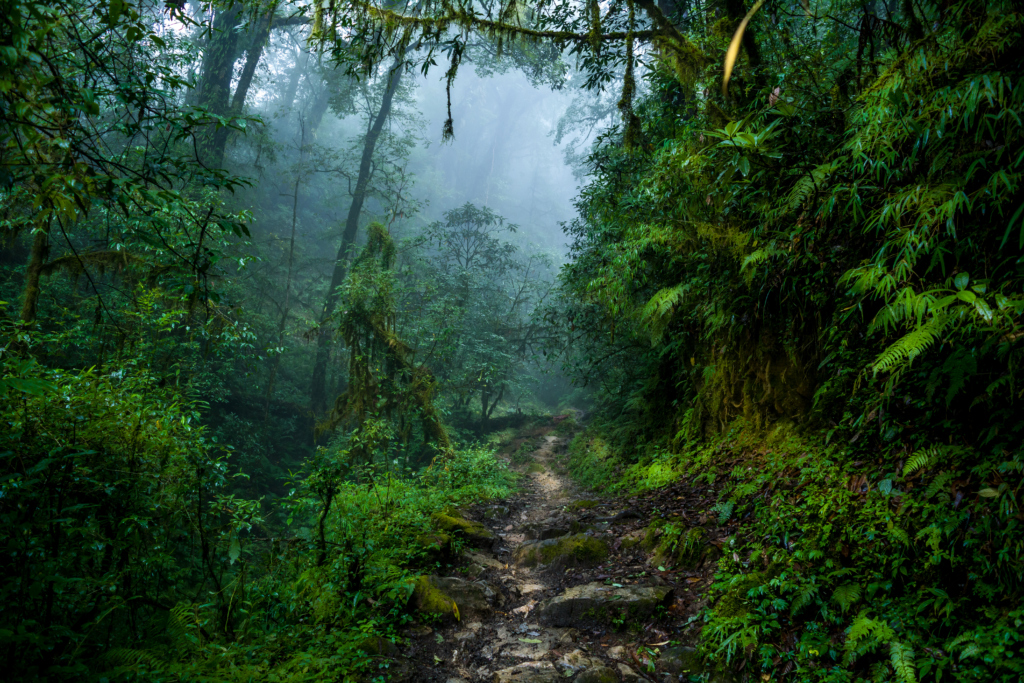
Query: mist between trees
x=279 y=280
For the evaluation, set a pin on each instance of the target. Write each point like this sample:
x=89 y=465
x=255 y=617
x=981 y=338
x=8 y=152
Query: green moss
x=471 y=530
x=690 y=547
x=581 y=505
x=724 y=28
x=438 y=546
x=426 y=597
x=654 y=531
x=630 y=542
x=535 y=468
x=583 y=549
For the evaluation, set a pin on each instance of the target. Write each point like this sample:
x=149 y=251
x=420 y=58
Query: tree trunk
x=252 y=60
x=301 y=60
x=214 y=91
x=37 y=257
x=318 y=385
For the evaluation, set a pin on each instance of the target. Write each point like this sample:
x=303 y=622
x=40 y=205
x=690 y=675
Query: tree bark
x=318 y=385
x=36 y=259
x=214 y=91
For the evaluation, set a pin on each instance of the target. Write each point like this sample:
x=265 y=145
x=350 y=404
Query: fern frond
x=846 y=596
x=657 y=314
x=911 y=345
x=902 y=658
x=919 y=460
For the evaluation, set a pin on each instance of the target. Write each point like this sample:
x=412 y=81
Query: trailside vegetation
x=805 y=285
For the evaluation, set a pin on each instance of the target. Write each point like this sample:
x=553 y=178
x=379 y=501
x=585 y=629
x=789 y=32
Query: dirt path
x=589 y=610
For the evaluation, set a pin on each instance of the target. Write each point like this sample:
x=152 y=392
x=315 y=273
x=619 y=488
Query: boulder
x=475 y=533
x=598 y=674
x=595 y=602
x=547 y=529
x=576 y=661
x=453 y=598
x=528 y=672
x=627 y=674
x=681 y=660
x=575 y=550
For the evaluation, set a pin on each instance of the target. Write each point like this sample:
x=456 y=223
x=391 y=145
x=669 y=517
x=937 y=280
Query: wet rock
x=597 y=603
x=453 y=598
x=681 y=660
x=627 y=674
x=475 y=533
x=528 y=672
x=598 y=674
x=576 y=661
x=617 y=652
x=570 y=551
x=484 y=560
x=496 y=512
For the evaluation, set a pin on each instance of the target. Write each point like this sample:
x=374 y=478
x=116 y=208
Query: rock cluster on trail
x=551 y=588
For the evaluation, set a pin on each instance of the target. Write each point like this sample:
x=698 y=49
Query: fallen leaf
x=530 y=640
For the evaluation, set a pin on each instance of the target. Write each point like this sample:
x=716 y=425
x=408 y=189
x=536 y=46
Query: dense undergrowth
x=814 y=284
x=844 y=565
x=130 y=556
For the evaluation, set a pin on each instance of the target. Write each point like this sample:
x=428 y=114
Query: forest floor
x=598 y=607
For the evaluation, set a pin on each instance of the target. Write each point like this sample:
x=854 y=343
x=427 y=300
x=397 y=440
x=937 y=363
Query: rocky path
x=558 y=587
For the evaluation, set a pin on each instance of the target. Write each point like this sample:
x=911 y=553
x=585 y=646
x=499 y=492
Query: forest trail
x=563 y=592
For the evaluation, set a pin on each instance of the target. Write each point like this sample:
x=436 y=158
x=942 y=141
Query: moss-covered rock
x=452 y=598
x=438 y=546
x=535 y=468
x=598 y=603
x=598 y=674
x=654 y=531
x=681 y=661
x=581 y=505
x=575 y=550
x=681 y=547
x=474 y=533
x=735 y=602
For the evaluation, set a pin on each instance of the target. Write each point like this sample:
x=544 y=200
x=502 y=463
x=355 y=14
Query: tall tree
x=318 y=383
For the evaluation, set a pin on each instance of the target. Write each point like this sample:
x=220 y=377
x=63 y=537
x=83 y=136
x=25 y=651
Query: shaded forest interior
x=301 y=302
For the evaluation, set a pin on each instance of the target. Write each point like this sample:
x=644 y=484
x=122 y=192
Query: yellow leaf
x=734 y=46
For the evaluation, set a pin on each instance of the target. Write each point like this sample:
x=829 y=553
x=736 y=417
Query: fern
x=657 y=314
x=911 y=345
x=919 y=460
x=902 y=658
x=846 y=596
